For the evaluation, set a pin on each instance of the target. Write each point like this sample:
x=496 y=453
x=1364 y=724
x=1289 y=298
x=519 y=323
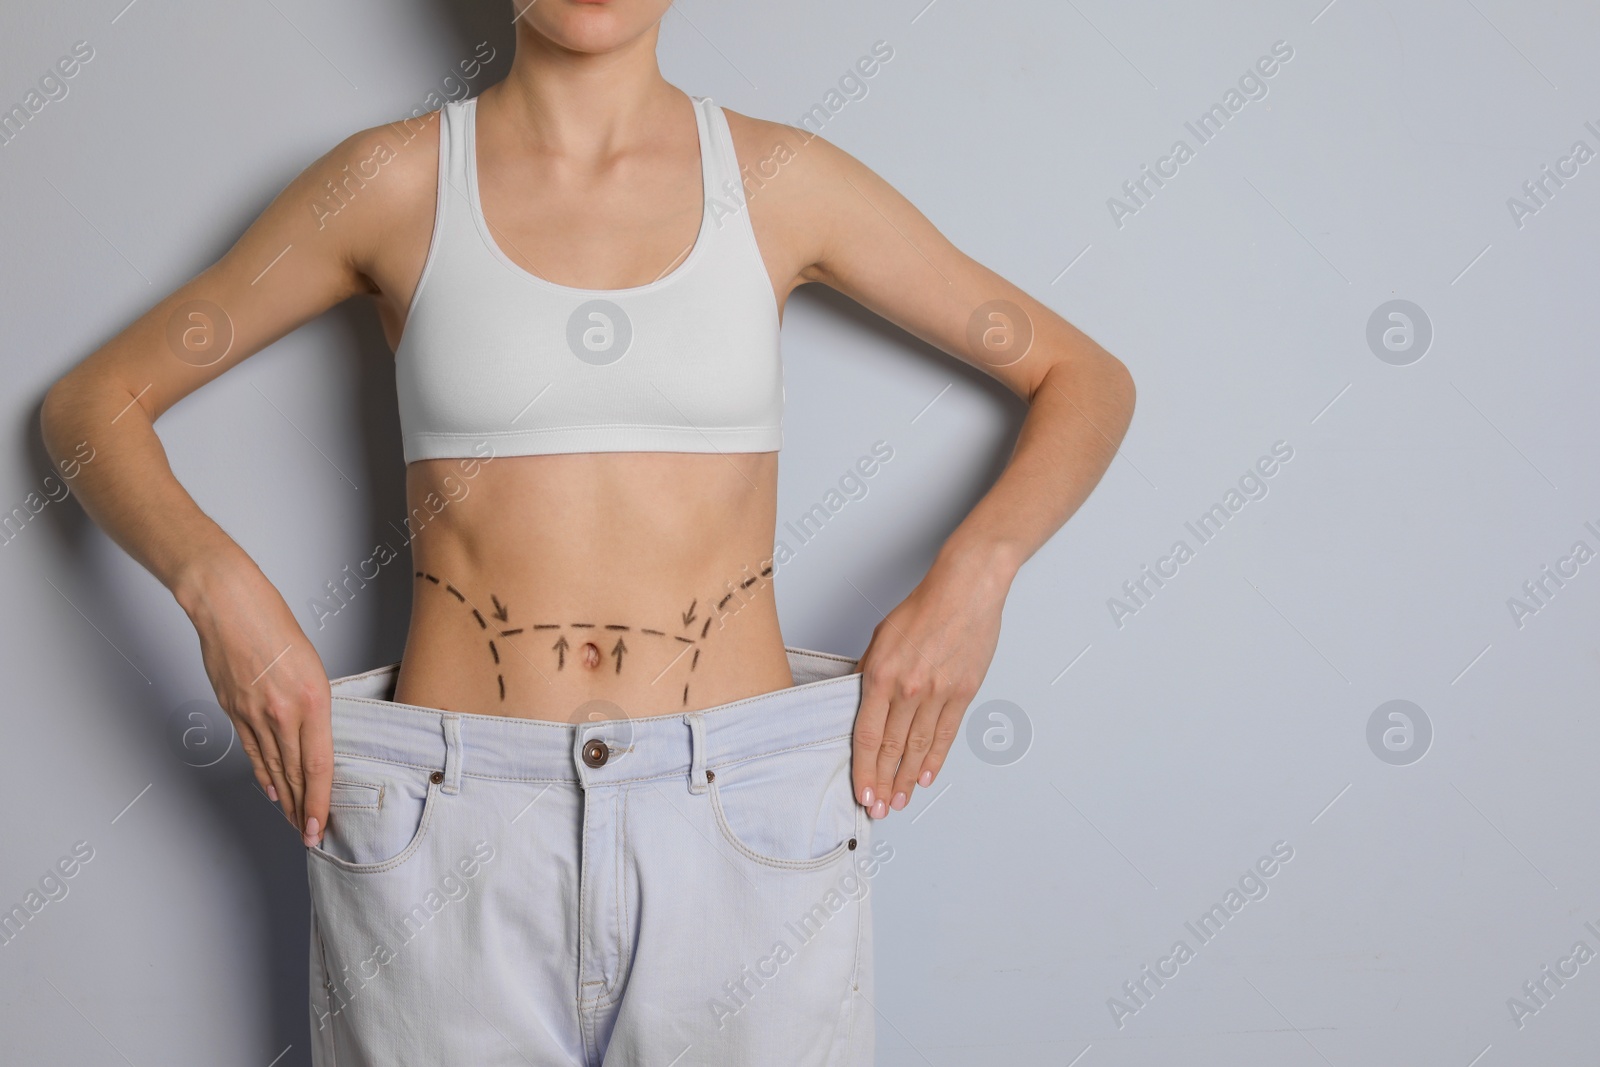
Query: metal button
x=852 y=844
x=595 y=753
x=711 y=776
x=436 y=777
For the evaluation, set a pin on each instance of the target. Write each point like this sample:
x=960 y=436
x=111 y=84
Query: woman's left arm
x=929 y=655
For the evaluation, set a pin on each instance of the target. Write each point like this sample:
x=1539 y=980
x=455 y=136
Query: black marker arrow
x=501 y=612
x=688 y=616
x=561 y=651
x=617 y=652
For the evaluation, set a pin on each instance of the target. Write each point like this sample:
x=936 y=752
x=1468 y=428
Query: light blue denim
x=485 y=896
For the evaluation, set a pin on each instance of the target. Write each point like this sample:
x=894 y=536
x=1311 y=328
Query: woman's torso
x=584 y=583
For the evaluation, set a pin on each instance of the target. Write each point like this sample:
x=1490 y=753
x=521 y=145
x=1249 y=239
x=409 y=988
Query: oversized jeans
x=686 y=889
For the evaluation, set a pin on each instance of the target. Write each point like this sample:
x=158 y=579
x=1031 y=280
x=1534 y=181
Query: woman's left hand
x=923 y=666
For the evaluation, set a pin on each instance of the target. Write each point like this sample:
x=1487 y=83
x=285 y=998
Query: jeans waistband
x=820 y=706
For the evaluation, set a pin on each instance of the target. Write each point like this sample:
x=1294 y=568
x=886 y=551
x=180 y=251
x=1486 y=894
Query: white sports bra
x=687 y=363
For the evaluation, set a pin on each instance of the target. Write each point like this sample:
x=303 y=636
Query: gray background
x=1229 y=713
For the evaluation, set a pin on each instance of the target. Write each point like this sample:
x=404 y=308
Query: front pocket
x=794 y=809
x=377 y=815
x=353 y=794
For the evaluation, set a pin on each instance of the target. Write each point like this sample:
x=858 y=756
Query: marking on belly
x=502 y=613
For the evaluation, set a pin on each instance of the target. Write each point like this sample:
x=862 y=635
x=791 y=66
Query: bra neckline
x=702 y=235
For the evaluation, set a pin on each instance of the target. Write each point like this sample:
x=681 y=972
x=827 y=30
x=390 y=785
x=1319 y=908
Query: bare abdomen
x=542 y=584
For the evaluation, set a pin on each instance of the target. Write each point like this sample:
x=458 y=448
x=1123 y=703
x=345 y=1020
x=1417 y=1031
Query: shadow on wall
x=273 y=925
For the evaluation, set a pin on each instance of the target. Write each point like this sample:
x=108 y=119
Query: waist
x=819 y=706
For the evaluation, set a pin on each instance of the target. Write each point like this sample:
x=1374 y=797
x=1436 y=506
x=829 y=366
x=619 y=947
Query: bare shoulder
x=397 y=159
x=775 y=149
x=846 y=227
x=376 y=190
x=797 y=182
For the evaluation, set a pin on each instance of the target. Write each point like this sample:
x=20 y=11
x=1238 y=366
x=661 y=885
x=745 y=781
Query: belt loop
x=697 y=752
x=578 y=741
x=452 y=755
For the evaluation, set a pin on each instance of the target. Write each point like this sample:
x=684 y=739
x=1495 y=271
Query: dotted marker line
x=560 y=647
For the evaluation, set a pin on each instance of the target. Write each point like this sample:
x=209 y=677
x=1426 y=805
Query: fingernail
x=311 y=831
x=899 y=801
x=272 y=792
x=866 y=797
x=926 y=780
x=879 y=810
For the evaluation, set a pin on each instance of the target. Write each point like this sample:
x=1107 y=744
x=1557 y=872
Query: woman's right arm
x=293 y=263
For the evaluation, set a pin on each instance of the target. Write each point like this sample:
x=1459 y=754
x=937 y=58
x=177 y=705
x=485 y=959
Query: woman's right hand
x=265 y=673
x=271 y=682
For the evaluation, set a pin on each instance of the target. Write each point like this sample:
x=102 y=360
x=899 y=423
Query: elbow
x=1126 y=394
x=1116 y=386
x=62 y=417
x=53 y=413
x=1103 y=375
x=1122 y=384
x=62 y=420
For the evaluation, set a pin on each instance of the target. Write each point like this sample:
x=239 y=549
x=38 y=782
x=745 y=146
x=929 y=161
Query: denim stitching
x=788 y=865
x=617 y=781
x=379 y=759
x=779 y=751
x=322 y=949
x=583 y=897
x=387 y=865
x=624 y=935
x=855 y=969
x=618 y=806
x=519 y=721
x=376 y=805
